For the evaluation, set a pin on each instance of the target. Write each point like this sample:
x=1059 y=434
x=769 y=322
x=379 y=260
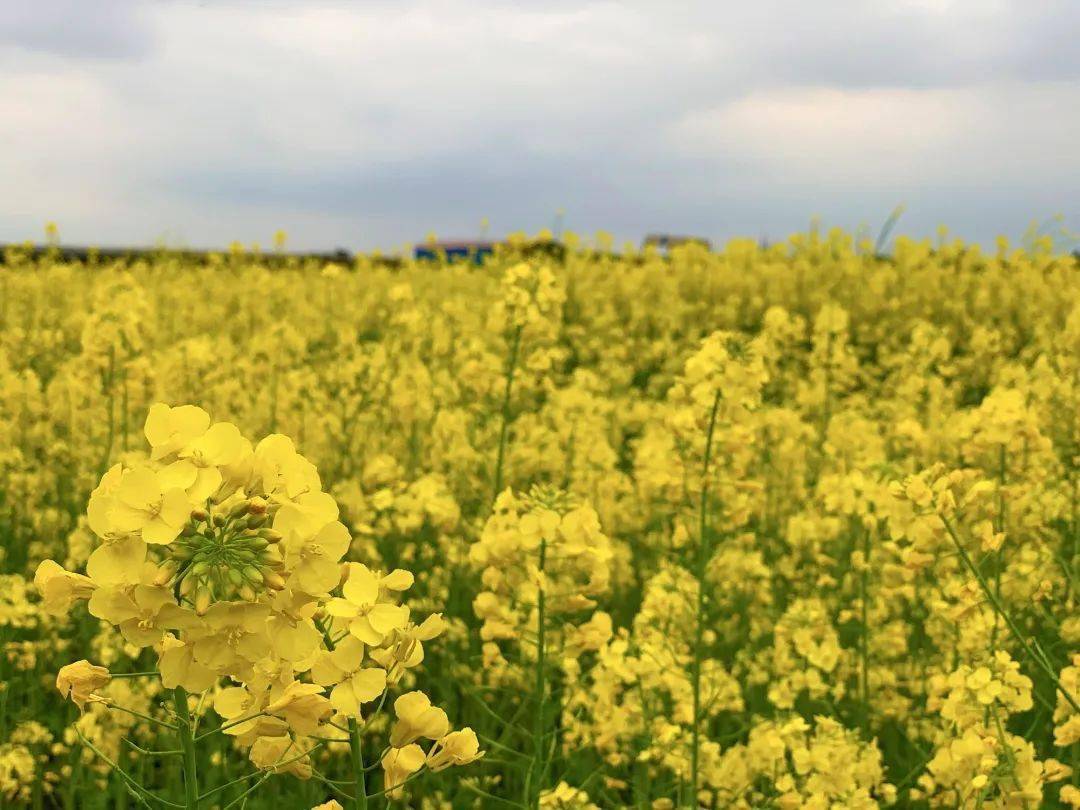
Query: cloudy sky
x=369 y=124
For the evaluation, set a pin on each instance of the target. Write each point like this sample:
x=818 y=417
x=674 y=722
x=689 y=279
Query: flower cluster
x=226 y=559
x=540 y=543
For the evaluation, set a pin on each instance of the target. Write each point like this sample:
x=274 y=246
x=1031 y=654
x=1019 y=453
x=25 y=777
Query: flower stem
x=356 y=741
x=356 y=752
x=537 y=766
x=1014 y=630
x=703 y=554
x=187 y=746
x=999 y=526
x=511 y=368
x=864 y=636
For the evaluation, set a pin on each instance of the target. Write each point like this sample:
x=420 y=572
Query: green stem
x=864 y=640
x=1014 y=630
x=356 y=752
x=187 y=745
x=699 y=628
x=999 y=526
x=541 y=684
x=511 y=368
x=356 y=742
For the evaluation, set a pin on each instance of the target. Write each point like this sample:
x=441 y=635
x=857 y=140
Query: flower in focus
x=80 y=680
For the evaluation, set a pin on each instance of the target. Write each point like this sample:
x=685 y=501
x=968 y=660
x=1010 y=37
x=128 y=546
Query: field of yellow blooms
x=788 y=527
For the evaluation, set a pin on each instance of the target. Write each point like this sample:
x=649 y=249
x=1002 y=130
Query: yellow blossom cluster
x=792 y=525
x=225 y=559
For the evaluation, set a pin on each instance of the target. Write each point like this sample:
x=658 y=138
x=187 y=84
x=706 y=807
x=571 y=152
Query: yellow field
x=787 y=527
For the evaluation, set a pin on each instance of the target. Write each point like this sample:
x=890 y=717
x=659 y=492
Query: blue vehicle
x=474 y=250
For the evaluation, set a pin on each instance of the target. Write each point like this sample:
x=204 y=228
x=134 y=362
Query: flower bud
x=238 y=509
x=274 y=580
x=270 y=535
x=203 y=599
x=257 y=506
x=165 y=572
x=253 y=575
x=180 y=551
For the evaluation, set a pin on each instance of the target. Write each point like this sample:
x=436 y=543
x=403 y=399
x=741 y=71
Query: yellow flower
x=102 y=501
x=398 y=765
x=417 y=718
x=369 y=619
x=169 y=429
x=353 y=685
x=117 y=561
x=60 y=588
x=80 y=680
x=145 y=503
x=1071 y=796
x=456 y=748
x=178 y=666
x=142 y=613
x=315 y=561
x=231 y=637
x=240 y=708
x=280 y=755
x=219 y=447
x=405 y=649
x=302 y=706
x=279 y=472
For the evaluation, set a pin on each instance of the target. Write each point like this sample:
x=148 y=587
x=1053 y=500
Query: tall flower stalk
x=704 y=554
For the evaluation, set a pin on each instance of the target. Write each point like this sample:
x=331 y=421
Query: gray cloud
x=371 y=123
x=111 y=29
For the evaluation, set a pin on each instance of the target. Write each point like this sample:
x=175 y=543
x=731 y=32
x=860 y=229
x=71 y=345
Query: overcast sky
x=369 y=124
